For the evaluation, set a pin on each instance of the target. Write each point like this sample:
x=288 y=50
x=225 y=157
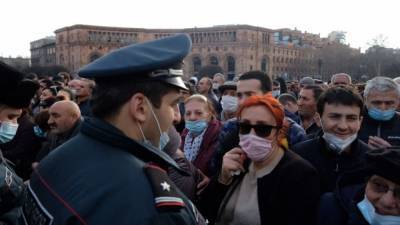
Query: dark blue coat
x=328 y=163
x=340 y=207
x=388 y=130
x=98 y=178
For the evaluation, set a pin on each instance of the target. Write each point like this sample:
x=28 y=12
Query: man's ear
x=317 y=119
x=138 y=107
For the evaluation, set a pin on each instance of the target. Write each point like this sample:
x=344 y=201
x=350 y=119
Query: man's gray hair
x=381 y=84
x=340 y=74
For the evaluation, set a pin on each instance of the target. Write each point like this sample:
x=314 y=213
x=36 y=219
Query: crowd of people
x=128 y=141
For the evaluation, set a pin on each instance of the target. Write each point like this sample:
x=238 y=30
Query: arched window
x=94 y=56
x=196 y=64
x=213 y=60
x=61 y=59
x=264 y=65
x=231 y=64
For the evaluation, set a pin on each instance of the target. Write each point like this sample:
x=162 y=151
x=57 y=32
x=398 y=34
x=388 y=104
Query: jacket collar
x=107 y=133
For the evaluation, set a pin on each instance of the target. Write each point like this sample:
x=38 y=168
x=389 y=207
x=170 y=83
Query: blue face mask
x=196 y=127
x=39 y=132
x=164 y=138
x=7 y=131
x=368 y=211
x=381 y=115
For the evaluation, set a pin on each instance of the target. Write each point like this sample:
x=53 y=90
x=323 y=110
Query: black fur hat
x=15 y=90
x=386 y=163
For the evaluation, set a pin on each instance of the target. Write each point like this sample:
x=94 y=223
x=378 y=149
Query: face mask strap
x=154 y=115
x=141 y=131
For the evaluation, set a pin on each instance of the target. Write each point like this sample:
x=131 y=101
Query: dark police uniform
x=101 y=176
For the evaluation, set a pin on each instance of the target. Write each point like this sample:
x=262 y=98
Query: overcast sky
x=25 y=21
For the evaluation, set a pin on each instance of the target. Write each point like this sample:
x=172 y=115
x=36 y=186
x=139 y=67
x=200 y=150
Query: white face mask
x=368 y=211
x=229 y=103
x=215 y=86
x=335 y=143
x=276 y=93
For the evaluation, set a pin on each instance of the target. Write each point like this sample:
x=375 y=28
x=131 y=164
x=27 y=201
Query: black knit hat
x=385 y=163
x=15 y=90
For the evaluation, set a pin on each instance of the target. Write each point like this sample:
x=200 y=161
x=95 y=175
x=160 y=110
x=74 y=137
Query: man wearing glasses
x=377 y=202
x=337 y=149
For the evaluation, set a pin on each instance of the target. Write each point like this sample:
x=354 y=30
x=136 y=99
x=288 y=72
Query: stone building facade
x=235 y=48
x=43 y=52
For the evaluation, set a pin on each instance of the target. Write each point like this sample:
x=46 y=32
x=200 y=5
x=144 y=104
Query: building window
x=196 y=64
x=94 y=56
x=213 y=60
x=231 y=65
x=264 y=65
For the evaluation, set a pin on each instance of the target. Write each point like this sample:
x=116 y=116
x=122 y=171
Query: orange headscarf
x=277 y=110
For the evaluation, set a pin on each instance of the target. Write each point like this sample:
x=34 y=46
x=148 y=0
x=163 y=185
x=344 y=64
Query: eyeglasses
x=382 y=188
x=261 y=130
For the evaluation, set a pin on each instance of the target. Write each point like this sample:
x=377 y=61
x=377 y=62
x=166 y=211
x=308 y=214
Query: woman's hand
x=232 y=164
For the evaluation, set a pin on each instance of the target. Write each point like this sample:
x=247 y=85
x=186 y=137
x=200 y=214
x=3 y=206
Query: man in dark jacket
x=113 y=171
x=16 y=93
x=307 y=103
x=381 y=124
x=65 y=121
x=338 y=150
x=357 y=203
x=23 y=148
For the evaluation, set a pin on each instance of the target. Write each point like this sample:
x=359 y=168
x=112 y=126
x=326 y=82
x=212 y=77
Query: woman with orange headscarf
x=261 y=182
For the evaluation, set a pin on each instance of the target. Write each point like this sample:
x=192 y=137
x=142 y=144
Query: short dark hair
x=109 y=95
x=265 y=80
x=339 y=95
x=70 y=93
x=285 y=98
x=316 y=89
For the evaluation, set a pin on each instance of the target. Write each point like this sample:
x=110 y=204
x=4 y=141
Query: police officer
x=113 y=171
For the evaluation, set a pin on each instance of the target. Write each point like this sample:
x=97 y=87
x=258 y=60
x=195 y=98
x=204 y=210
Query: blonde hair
x=204 y=100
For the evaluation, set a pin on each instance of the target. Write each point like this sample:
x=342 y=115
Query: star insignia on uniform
x=165 y=186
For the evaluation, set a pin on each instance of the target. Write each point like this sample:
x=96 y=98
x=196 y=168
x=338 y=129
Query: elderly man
x=376 y=202
x=65 y=120
x=381 y=124
x=340 y=79
x=114 y=170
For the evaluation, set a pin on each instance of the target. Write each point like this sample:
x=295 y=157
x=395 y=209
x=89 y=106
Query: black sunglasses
x=261 y=130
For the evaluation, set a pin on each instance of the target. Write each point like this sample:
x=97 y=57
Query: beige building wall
x=249 y=47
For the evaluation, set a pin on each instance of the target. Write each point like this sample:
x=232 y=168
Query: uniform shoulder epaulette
x=165 y=192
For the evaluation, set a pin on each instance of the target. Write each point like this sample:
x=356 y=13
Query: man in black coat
x=373 y=202
x=16 y=93
x=114 y=171
x=337 y=149
x=65 y=121
x=381 y=124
